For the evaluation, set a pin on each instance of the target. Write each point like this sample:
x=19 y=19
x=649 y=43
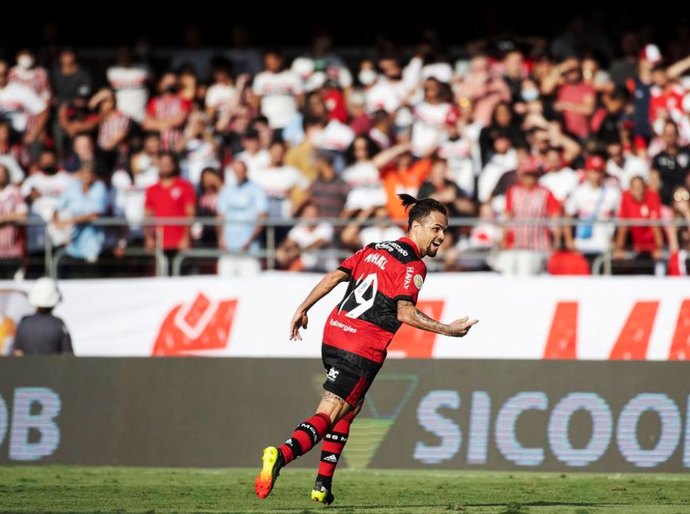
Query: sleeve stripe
x=345 y=270
x=404 y=297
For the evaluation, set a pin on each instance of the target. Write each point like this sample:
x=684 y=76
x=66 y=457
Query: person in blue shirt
x=241 y=206
x=82 y=202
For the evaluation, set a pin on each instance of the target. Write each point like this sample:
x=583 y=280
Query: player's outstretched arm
x=409 y=314
x=325 y=286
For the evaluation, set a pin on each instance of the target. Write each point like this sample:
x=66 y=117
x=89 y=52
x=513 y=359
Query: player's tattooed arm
x=409 y=314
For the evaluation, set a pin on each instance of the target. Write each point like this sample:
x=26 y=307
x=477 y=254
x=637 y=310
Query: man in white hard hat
x=43 y=333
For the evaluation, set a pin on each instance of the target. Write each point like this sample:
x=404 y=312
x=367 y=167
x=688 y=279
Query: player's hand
x=299 y=320
x=460 y=327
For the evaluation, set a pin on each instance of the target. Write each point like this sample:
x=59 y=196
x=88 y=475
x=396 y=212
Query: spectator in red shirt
x=640 y=202
x=171 y=197
x=574 y=99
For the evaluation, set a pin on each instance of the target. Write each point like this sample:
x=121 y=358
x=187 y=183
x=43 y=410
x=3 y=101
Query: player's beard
x=432 y=250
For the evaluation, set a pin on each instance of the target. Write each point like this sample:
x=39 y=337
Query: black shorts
x=348 y=375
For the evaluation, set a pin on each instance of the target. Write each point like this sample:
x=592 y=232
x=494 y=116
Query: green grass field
x=96 y=489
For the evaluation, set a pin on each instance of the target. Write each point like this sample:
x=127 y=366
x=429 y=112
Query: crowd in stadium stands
x=563 y=133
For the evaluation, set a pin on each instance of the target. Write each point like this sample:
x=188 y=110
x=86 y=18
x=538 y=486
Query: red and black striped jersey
x=366 y=319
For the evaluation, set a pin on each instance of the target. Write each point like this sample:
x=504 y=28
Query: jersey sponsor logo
x=418 y=281
x=377 y=259
x=342 y=326
x=332 y=374
x=408 y=277
x=392 y=247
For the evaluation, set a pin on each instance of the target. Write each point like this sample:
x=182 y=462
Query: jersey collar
x=411 y=243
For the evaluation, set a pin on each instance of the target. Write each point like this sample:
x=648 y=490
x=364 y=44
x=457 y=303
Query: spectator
x=12 y=154
x=69 y=80
x=253 y=155
x=84 y=150
x=439 y=187
x=328 y=192
x=242 y=205
x=640 y=202
x=671 y=167
x=303 y=248
x=592 y=202
x=171 y=197
x=19 y=103
x=210 y=186
x=356 y=235
x=84 y=200
x=559 y=178
x=574 y=99
x=113 y=127
x=128 y=80
x=43 y=333
x=167 y=113
x=41 y=190
x=623 y=165
x=77 y=117
x=527 y=244
x=282 y=183
x=12 y=210
x=679 y=235
x=129 y=188
x=222 y=97
x=27 y=73
x=199 y=148
x=278 y=91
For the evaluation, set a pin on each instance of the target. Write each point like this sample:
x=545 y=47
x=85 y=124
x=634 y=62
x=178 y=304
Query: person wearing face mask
x=27 y=73
x=35 y=77
x=41 y=190
x=167 y=113
x=529 y=94
x=389 y=90
x=367 y=75
x=17 y=103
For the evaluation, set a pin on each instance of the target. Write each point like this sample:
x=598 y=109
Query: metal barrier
x=159 y=258
x=52 y=256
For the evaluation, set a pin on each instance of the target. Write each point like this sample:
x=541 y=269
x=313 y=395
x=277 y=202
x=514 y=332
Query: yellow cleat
x=321 y=494
x=271 y=464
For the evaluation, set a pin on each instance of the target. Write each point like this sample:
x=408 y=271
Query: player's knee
x=332 y=405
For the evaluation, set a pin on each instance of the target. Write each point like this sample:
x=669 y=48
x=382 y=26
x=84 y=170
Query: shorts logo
x=418 y=281
x=332 y=374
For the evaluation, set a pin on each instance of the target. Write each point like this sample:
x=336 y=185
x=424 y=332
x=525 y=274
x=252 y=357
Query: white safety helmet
x=45 y=293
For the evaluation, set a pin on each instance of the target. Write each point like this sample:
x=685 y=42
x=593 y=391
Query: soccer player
x=384 y=280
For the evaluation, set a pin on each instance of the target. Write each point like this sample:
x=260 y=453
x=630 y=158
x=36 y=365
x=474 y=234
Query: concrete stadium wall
x=424 y=414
